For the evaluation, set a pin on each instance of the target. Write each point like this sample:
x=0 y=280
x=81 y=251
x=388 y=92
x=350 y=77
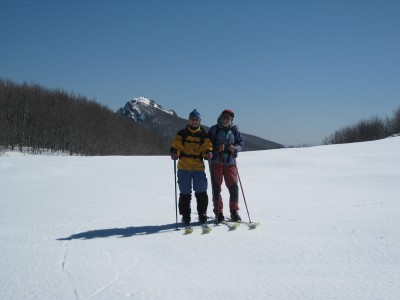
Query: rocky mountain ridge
x=168 y=123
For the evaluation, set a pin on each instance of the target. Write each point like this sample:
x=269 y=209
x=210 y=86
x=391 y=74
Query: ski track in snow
x=67 y=266
x=66 y=271
x=117 y=276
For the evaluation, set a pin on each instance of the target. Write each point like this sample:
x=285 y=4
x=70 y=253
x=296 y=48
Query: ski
x=251 y=225
x=231 y=225
x=188 y=229
x=206 y=229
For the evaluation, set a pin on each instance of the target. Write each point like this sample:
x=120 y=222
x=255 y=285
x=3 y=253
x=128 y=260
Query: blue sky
x=293 y=71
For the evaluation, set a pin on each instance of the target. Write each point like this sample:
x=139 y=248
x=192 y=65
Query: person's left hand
x=231 y=148
x=208 y=156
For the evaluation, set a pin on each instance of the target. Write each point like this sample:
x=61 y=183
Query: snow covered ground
x=104 y=228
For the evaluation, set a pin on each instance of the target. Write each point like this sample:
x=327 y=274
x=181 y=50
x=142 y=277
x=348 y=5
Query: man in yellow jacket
x=191 y=145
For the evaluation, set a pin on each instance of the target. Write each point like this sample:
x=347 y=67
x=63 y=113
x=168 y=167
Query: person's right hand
x=174 y=156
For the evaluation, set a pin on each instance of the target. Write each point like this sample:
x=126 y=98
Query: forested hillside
x=35 y=118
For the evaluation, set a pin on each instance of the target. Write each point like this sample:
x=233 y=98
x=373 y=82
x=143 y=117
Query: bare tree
x=366 y=130
x=37 y=118
x=394 y=122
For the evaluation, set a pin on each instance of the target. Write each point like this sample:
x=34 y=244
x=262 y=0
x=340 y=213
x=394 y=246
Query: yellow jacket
x=191 y=146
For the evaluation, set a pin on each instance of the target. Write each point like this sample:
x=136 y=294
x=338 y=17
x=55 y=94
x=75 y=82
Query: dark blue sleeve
x=211 y=135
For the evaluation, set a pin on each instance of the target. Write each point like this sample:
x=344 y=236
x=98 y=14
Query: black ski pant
x=184 y=203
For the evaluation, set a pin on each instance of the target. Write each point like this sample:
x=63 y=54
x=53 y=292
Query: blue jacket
x=229 y=136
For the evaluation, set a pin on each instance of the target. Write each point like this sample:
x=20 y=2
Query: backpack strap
x=233 y=128
x=216 y=135
x=234 y=131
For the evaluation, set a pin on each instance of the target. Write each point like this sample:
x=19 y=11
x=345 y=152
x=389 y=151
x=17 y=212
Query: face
x=226 y=120
x=194 y=122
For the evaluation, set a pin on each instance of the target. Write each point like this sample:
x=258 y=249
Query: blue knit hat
x=195 y=114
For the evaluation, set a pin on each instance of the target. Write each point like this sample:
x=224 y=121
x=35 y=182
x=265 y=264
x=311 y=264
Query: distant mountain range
x=166 y=122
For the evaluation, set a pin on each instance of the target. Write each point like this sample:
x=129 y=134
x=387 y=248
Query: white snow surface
x=147 y=102
x=104 y=228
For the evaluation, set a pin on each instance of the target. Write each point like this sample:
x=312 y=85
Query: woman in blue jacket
x=227 y=142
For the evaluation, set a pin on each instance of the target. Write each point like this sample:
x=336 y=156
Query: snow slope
x=104 y=228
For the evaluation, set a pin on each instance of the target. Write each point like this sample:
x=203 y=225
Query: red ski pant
x=219 y=173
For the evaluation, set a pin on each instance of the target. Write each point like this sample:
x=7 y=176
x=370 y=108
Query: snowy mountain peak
x=141 y=108
x=146 y=101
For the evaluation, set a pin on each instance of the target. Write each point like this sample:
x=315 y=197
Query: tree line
x=371 y=129
x=38 y=119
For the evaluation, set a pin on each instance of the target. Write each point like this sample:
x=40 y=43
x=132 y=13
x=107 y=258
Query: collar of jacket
x=219 y=123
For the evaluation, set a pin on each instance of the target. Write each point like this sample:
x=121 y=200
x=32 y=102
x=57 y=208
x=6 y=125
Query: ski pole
x=176 y=198
x=241 y=187
x=219 y=188
x=212 y=186
x=214 y=192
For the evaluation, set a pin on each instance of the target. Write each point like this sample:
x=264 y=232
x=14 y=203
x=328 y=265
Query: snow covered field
x=104 y=228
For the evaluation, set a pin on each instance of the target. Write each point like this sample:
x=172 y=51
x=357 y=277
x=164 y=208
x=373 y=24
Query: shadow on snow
x=120 y=232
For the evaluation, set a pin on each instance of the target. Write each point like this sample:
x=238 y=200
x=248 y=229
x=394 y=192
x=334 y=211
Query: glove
x=221 y=147
x=208 y=156
x=174 y=156
x=231 y=148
